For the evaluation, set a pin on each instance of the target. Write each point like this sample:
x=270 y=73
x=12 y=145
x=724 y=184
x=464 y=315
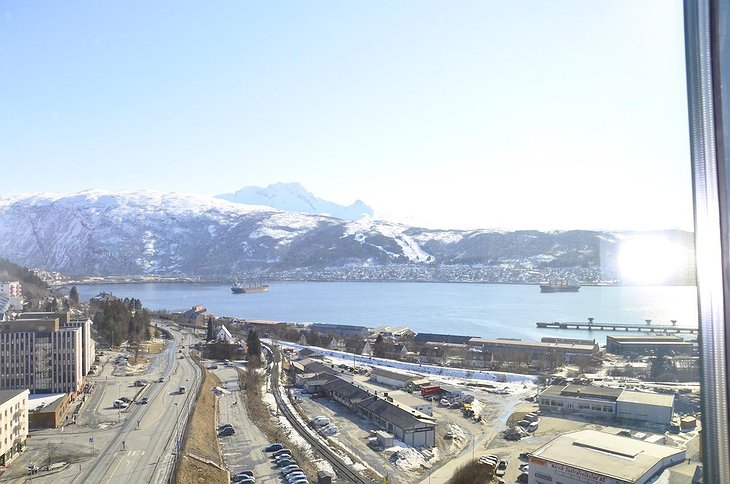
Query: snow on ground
x=461 y=373
x=408 y=458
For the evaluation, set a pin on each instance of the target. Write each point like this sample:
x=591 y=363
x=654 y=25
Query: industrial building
x=589 y=456
x=340 y=329
x=648 y=345
x=593 y=401
x=535 y=353
x=13 y=424
x=391 y=378
x=407 y=424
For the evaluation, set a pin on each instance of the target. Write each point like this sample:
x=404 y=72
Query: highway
x=142 y=448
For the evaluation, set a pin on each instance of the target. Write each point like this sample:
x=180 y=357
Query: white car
x=294 y=476
x=289 y=469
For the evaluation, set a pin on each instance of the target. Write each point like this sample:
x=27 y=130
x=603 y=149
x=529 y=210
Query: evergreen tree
x=74 y=296
x=379 y=347
x=210 y=336
x=254 y=348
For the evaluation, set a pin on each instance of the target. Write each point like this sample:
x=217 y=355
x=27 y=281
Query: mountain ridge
x=153 y=233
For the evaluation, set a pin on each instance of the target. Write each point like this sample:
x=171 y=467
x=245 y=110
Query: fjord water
x=486 y=310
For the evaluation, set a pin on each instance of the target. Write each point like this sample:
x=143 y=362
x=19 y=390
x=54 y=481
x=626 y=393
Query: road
x=142 y=449
x=135 y=445
x=244 y=449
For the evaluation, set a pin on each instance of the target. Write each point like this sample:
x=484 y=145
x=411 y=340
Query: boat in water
x=559 y=287
x=249 y=288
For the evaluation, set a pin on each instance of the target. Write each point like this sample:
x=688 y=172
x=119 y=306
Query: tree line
x=121 y=320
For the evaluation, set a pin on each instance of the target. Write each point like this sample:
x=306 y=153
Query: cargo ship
x=249 y=288
x=560 y=287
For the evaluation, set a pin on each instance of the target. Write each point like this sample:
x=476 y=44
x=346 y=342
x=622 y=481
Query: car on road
x=161 y=380
x=221 y=427
x=273 y=448
x=226 y=432
x=289 y=469
x=143 y=400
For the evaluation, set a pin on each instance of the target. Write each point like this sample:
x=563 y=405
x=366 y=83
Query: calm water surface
x=486 y=310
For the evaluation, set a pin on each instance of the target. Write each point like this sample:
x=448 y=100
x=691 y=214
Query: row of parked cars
x=290 y=470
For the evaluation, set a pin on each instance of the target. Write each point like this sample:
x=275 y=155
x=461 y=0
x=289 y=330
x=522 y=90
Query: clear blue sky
x=530 y=114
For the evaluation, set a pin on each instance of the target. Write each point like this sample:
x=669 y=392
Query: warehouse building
x=536 y=353
x=589 y=456
x=407 y=424
x=593 y=401
x=391 y=378
x=648 y=345
x=340 y=329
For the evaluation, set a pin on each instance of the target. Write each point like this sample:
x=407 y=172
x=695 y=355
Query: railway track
x=342 y=469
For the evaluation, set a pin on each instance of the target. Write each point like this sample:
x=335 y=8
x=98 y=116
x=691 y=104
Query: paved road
x=142 y=449
x=138 y=449
x=244 y=449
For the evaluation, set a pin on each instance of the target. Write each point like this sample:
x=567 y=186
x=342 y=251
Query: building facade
x=542 y=354
x=636 y=345
x=592 y=457
x=13 y=424
x=612 y=403
x=11 y=289
x=39 y=355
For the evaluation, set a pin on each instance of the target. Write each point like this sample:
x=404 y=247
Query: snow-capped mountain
x=151 y=233
x=293 y=197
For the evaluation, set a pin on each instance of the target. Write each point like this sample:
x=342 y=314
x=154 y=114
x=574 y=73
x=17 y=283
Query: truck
x=181 y=390
x=430 y=390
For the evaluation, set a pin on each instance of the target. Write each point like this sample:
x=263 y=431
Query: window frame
x=707 y=52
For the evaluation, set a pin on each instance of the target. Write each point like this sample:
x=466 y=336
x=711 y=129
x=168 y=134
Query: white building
x=593 y=401
x=592 y=457
x=39 y=355
x=13 y=423
x=224 y=335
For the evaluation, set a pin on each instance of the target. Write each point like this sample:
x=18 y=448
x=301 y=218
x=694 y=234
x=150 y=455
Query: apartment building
x=13 y=423
x=11 y=289
x=40 y=355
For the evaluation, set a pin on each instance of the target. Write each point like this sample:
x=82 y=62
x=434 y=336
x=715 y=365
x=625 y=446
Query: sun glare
x=648 y=260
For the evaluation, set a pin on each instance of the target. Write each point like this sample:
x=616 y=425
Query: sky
x=486 y=114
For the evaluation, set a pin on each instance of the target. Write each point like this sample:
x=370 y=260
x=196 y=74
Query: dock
x=647 y=327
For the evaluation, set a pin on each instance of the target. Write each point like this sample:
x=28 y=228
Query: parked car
x=243 y=479
x=286 y=462
x=246 y=472
x=221 y=427
x=295 y=476
x=502 y=464
x=448 y=436
x=300 y=480
x=289 y=469
x=525 y=455
x=226 y=432
x=282 y=452
x=524 y=477
x=273 y=448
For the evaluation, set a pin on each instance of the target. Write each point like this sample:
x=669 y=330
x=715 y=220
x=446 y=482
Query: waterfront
x=486 y=310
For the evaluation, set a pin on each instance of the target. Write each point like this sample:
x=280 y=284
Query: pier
x=647 y=327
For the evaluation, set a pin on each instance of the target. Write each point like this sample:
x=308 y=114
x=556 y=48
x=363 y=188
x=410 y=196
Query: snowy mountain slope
x=141 y=232
x=293 y=197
